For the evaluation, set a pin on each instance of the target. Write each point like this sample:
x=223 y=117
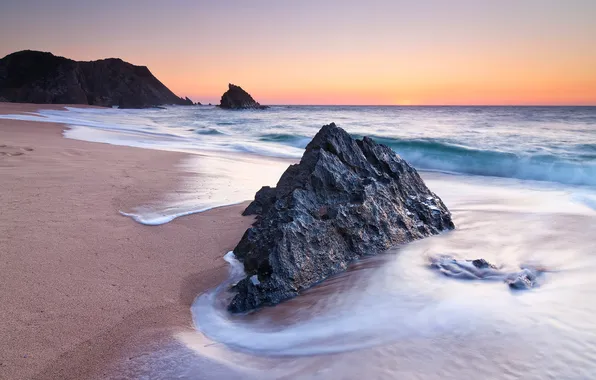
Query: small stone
x=481 y=264
x=526 y=279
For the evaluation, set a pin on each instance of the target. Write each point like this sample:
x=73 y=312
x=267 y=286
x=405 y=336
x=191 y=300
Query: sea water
x=520 y=182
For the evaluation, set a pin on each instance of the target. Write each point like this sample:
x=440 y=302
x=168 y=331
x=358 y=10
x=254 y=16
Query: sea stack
x=345 y=199
x=43 y=78
x=238 y=99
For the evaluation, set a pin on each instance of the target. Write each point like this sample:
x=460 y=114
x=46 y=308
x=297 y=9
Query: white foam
x=587 y=199
x=155 y=218
x=236 y=267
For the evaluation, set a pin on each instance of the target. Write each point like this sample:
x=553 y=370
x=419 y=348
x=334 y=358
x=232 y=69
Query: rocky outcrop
x=480 y=269
x=37 y=77
x=186 y=101
x=345 y=199
x=237 y=99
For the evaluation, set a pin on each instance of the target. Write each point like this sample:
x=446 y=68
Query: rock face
x=345 y=199
x=37 y=77
x=237 y=99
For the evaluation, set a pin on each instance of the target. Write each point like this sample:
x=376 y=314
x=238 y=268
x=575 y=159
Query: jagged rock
x=236 y=98
x=198 y=104
x=186 y=101
x=38 y=77
x=345 y=199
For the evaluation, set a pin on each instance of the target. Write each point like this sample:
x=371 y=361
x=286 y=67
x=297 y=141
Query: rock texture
x=236 y=99
x=345 y=199
x=38 y=77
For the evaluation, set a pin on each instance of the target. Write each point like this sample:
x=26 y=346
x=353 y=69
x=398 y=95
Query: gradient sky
x=330 y=51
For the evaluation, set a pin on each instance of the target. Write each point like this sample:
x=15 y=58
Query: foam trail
x=236 y=267
x=153 y=218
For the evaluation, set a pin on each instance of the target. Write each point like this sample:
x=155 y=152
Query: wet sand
x=81 y=285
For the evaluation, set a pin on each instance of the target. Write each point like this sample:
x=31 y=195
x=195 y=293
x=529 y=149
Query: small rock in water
x=526 y=279
x=480 y=269
x=481 y=263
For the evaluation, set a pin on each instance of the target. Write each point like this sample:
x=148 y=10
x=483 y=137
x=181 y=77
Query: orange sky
x=332 y=51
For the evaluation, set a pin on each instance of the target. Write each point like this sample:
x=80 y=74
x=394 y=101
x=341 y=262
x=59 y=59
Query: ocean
x=519 y=181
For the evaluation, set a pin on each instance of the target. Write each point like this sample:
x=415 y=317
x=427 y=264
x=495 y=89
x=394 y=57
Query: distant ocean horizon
x=414 y=105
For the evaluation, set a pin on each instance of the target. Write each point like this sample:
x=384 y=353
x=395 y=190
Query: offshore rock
x=345 y=199
x=237 y=99
x=43 y=78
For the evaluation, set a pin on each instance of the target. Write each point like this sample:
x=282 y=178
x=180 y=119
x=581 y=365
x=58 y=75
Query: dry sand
x=79 y=283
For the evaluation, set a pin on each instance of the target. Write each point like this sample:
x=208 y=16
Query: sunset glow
x=333 y=52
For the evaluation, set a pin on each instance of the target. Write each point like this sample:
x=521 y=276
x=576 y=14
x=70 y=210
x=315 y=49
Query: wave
x=297 y=141
x=432 y=154
x=575 y=166
x=209 y=131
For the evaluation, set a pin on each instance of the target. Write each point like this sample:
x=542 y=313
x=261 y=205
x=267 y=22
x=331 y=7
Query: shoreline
x=84 y=285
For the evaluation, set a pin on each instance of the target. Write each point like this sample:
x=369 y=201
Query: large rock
x=345 y=199
x=236 y=99
x=37 y=77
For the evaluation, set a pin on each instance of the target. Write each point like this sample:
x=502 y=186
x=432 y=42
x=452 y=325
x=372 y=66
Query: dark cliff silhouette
x=43 y=78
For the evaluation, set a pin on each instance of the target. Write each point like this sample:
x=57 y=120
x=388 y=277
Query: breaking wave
x=435 y=155
x=432 y=154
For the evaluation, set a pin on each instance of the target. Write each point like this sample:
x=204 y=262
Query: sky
x=441 y=52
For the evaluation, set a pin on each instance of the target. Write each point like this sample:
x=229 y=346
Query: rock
x=345 y=199
x=482 y=264
x=466 y=269
x=263 y=199
x=198 y=104
x=481 y=269
x=236 y=98
x=186 y=101
x=43 y=78
x=526 y=279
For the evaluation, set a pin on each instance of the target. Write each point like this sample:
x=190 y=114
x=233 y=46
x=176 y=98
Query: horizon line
x=421 y=105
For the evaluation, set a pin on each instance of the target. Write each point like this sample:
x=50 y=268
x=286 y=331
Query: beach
x=82 y=284
x=89 y=293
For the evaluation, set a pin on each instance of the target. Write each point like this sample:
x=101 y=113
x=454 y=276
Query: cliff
x=43 y=78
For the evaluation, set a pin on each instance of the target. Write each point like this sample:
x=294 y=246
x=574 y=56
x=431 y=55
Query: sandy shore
x=80 y=283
